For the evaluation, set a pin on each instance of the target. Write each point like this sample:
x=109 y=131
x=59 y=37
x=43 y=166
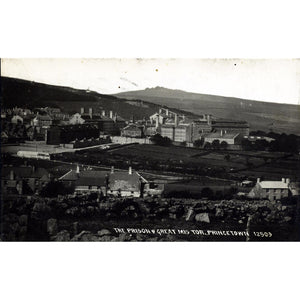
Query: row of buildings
x=113 y=183
x=179 y=128
x=57 y=127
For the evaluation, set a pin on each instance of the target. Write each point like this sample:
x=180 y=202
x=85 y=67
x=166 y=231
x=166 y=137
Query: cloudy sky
x=267 y=80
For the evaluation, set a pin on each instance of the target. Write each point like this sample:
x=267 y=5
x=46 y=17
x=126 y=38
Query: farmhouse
x=272 y=190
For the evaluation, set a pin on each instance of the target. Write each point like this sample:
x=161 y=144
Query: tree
x=227 y=157
x=246 y=144
x=215 y=144
x=224 y=145
x=55 y=188
x=207 y=193
x=157 y=139
x=199 y=143
x=207 y=146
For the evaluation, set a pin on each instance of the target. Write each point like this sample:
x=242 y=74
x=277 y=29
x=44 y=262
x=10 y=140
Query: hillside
x=22 y=93
x=260 y=115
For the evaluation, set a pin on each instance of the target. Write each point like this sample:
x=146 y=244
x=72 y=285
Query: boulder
x=62 y=236
x=219 y=212
x=287 y=219
x=190 y=214
x=78 y=237
x=23 y=219
x=104 y=232
x=52 y=226
x=202 y=217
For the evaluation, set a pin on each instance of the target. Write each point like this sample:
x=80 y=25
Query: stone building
x=132 y=130
x=272 y=190
x=23 y=179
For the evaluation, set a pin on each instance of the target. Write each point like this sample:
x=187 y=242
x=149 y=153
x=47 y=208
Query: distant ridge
x=30 y=94
x=261 y=115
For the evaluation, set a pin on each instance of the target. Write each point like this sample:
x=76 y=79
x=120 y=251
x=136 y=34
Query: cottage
x=126 y=184
x=86 y=181
x=272 y=190
x=117 y=183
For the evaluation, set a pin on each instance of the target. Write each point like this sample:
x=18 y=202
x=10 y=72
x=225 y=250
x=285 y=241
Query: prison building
x=230 y=126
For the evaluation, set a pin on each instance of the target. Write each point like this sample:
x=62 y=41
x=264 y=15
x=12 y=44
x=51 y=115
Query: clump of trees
x=281 y=143
x=55 y=188
x=157 y=139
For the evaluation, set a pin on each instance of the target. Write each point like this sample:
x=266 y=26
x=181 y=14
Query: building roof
x=24 y=172
x=87 y=174
x=124 y=181
x=133 y=126
x=217 y=135
x=273 y=185
x=43 y=117
x=230 y=123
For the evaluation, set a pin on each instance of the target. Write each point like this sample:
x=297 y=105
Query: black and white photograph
x=117 y=150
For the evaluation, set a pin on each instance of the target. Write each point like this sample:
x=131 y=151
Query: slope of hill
x=260 y=115
x=23 y=93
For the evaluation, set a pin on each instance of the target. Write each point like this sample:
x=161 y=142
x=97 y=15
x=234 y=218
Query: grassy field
x=272 y=165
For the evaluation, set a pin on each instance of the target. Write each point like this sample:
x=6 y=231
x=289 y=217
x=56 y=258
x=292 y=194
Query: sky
x=270 y=80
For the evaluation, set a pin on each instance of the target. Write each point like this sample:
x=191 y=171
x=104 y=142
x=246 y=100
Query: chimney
x=112 y=169
x=156 y=122
x=103 y=113
x=130 y=171
x=91 y=112
x=208 y=120
x=283 y=180
x=176 y=120
x=288 y=181
x=11 y=175
x=77 y=170
x=258 y=180
x=82 y=110
x=167 y=112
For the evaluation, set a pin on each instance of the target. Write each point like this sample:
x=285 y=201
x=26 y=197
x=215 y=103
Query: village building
x=42 y=121
x=16 y=119
x=126 y=184
x=272 y=190
x=76 y=119
x=132 y=130
x=63 y=134
x=23 y=179
x=115 y=183
x=86 y=181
